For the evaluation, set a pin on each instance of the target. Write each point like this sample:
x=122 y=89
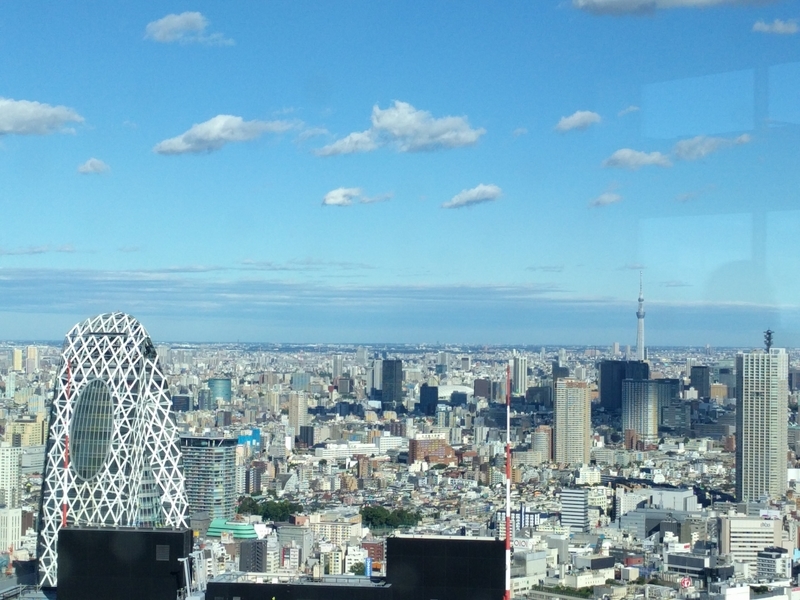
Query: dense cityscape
x=670 y=470
x=400 y=300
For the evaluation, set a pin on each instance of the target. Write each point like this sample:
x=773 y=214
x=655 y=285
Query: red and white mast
x=65 y=479
x=508 y=483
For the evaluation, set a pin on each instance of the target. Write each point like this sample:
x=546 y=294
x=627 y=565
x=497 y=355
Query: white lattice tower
x=142 y=442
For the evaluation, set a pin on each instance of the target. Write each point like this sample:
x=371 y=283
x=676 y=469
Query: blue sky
x=402 y=171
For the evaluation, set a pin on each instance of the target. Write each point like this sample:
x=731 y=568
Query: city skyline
x=405 y=173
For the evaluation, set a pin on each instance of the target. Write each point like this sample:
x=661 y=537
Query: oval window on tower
x=90 y=433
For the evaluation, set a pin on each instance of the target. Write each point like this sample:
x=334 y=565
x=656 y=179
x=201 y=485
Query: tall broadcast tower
x=640 y=354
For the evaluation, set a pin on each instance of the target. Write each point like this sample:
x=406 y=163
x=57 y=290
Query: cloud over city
x=581 y=119
x=406 y=129
x=605 y=199
x=28 y=117
x=185 y=28
x=627 y=158
x=777 y=26
x=701 y=146
x=477 y=195
x=346 y=196
x=93 y=166
x=645 y=7
x=218 y=131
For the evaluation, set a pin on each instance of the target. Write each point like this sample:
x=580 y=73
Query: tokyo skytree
x=640 y=352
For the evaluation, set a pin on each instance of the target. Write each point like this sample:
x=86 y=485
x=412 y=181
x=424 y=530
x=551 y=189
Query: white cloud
x=408 y=130
x=341 y=196
x=626 y=111
x=626 y=158
x=777 y=26
x=346 y=196
x=312 y=132
x=605 y=199
x=93 y=165
x=519 y=131
x=216 y=132
x=701 y=146
x=26 y=117
x=33 y=250
x=580 y=119
x=478 y=194
x=642 y=7
x=376 y=199
x=185 y=28
x=360 y=141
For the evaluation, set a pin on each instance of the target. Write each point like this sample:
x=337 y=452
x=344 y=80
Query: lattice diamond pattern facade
x=113 y=454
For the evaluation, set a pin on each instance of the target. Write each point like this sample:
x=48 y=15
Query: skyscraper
x=612 y=374
x=298 y=411
x=572 y=419
x=640 y=411
x=112 y=455
x=761 y=424
x=701 y=380
x=640 y=351
x=210 y=466
x=338 y=366
x=519 y=375
x=392 y=381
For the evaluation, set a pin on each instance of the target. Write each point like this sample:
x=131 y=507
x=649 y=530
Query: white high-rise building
x=11 y=384
x=9 y=475
x=10 y=526
x=519 y=374
x=761 y=424
x=338 y=366
x=572 y=419
x=575 y=509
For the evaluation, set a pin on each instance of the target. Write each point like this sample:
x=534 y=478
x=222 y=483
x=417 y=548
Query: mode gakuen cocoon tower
x=113 y=452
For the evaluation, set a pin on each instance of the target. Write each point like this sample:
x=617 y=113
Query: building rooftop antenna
x=768 y=338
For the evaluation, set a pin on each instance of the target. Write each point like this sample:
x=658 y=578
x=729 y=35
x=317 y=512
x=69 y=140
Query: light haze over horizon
x=464 y=173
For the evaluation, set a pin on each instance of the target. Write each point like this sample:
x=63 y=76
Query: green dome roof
x=239 y=529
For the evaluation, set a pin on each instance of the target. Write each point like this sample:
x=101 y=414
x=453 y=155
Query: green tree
x=248 y=506
x=358 y=569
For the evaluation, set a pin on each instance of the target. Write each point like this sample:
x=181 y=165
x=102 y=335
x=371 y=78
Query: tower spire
x=640 y=351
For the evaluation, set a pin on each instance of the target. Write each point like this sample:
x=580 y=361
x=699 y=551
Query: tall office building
x=641 y=354
x=642 y=403
x=10 y=458
x=210 y=467
x=612 y=374
x=16 y=359
x=31 y=359
x=392 y=380
x=519 y=374
x=11 y=384
x=112 y=456
x=572 y=419
x=575 y=509
x=761 y=424
x=701 y=380
x=428 y=399
x=338 y=366
x=542 y=442
x=220 y=390
x=298 y=411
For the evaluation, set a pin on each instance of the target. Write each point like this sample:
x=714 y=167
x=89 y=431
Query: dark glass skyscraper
x=701 y=380
x=612 y=374
x=392 y=377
